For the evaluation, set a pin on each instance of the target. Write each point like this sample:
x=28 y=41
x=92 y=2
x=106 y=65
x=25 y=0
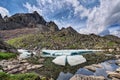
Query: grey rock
x=113 y=74
x=91 y=68
x=52 y=26
x=83 y=77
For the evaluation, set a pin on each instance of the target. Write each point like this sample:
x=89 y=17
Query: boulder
x=118 y=70
x=97 y=65
x=83 y=77
x=117 y=62
x=91 y=68
x=117 y=56
x=113 y=74
x=52 y=26
x=115 y=79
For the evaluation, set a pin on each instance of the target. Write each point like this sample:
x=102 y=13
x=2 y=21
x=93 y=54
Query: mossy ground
x=26 y=76
x=7 y=55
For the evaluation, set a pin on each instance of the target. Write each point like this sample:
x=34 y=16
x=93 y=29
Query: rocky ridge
x=27 y=20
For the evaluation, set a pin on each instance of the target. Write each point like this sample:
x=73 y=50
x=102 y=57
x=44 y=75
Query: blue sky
x=86 y=16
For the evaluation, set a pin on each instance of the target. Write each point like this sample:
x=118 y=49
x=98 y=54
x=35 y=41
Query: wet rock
x=84 y=72
x=118 y=70
x=83 y=77
x=97 y=65
x=91 y=68
x=113 y=74
x=117 y=62
x=117 y=56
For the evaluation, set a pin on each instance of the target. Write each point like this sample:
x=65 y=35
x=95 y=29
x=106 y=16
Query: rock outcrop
x=4 y=47
x=52 y=26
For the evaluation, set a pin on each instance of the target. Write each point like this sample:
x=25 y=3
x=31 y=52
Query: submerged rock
x=84 y=72
x=64 y=76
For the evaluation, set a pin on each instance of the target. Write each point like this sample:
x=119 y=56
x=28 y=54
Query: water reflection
x=106 y=66
x=64 y=76
x=84 y=72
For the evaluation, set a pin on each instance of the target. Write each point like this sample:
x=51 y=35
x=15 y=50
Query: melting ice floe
x=71 y=60
x=72 y=57
x=25 y=53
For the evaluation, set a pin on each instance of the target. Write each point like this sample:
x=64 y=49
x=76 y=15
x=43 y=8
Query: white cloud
x=32 y=8
x=51 y=6
x=4 y=11
x=101 y=17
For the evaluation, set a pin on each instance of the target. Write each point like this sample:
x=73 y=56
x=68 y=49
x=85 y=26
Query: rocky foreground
x=19 y=66
x=103 y=71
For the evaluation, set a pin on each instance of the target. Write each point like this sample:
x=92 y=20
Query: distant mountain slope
x=66 y=38
x=9 y=34
x=113 y=38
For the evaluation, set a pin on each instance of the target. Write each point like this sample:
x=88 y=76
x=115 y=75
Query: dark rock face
x=52 y=26
x=42 y=28
x=0 y=16
x=68 y=31
x=29 y=20
x=21 y=20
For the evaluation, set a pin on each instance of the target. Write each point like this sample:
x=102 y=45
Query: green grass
x=55 y=41
x=7 y=55
x=26 y=76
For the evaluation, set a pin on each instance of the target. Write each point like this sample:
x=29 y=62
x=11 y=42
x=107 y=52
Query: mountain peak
x=22 y=20
x=68 y=31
